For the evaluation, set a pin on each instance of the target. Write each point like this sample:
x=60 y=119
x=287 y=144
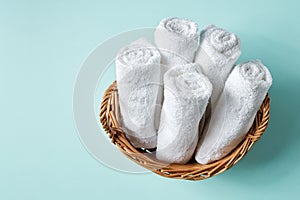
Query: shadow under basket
x=109 y=117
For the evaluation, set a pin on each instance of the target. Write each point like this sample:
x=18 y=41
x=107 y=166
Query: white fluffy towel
x=186 y=94
x=244 y=92
x=138 y=82
x=177 y=40
x=217 y=53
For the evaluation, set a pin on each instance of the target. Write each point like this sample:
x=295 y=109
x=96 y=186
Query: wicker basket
x=109 y=117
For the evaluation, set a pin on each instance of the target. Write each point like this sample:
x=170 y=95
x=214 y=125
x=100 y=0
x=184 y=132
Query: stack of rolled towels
x=167 y=88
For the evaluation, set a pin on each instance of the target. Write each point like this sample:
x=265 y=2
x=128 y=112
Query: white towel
x=177 y=40
x=186 y=94
x=244 y=92
x=217 y=53
x=138 y=81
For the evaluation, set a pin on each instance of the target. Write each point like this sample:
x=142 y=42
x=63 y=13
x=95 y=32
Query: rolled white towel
x=186 y=94
x=217 y=53
x=138 y=82
x=177 y=40
x=244 y=92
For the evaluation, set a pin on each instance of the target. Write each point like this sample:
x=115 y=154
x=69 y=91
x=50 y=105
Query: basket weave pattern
x=110 y=118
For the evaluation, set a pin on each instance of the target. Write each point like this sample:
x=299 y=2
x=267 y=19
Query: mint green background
x=43 y=44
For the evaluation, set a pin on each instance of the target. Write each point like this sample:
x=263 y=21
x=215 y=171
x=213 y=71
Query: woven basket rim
x=110 y=117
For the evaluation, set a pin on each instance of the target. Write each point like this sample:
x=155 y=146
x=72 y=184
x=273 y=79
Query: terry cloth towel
x=217 y=53
x=138 y=82
x=244 y=92
x=177 y=40
x=186 y=94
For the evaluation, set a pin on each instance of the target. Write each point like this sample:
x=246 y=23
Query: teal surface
x=42 y=46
